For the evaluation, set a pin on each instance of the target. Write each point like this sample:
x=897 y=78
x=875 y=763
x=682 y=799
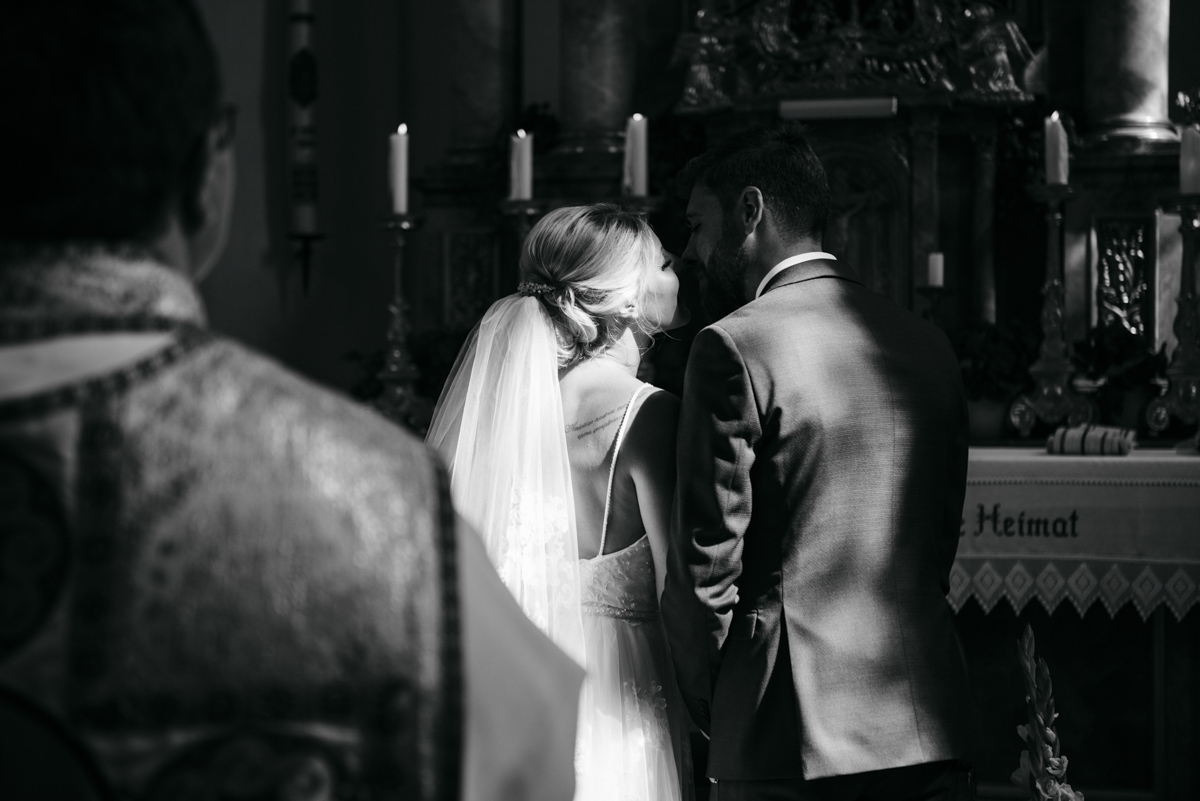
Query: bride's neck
x=625 y=354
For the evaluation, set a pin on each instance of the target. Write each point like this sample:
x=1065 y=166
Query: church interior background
x=930 y=116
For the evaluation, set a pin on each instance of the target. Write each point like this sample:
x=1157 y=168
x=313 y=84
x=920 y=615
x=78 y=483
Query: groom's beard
x=724 y=275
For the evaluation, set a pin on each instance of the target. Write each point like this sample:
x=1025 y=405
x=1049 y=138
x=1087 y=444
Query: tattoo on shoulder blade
x=596 y=424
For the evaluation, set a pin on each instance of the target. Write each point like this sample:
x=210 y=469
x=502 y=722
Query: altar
x=1101 y=556
x=1080 y=529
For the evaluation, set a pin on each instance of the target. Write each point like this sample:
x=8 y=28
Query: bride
x=565 y=463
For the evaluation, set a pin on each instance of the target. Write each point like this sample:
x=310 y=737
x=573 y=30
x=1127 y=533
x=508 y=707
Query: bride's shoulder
x=655 y=419
x=658 y=402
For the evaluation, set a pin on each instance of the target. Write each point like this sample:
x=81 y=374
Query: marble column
x=599 y=61
x=1125 y=70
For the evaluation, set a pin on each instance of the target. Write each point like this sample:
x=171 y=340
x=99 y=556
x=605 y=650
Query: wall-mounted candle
x=937 y=269
x=1057 y=165
x=520 y=166
x=636 y=180
x=1189 y=160
x=398 y=169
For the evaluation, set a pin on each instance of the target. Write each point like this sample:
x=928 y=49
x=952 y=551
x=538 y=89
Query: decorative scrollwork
x=709 y=52
x=781 y=48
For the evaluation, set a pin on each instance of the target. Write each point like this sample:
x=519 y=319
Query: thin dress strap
x=612 y=468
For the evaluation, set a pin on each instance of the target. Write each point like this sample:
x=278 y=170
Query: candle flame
x=403 y=129
x=638 y=117
x=1054 y=117
x=521 y=133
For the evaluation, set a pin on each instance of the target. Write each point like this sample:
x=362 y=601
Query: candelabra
x=305 y=252
x=1052 y=398
x=398 y=400
x=1182 y=399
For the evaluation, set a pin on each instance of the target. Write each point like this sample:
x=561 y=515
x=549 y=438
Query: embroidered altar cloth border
x=1082 y=529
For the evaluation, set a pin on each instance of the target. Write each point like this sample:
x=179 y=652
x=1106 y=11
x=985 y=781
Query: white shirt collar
x=788 y=262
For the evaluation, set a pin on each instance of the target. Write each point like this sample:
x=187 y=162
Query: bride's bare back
x=595 y=396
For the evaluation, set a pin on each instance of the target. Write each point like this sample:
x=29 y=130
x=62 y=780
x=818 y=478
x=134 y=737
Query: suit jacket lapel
x=808 y=270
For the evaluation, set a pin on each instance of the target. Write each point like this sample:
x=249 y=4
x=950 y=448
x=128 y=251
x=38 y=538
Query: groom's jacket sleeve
x=718 y=428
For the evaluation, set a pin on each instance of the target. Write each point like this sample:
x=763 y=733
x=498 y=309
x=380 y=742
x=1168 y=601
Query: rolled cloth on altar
x=1092 y=440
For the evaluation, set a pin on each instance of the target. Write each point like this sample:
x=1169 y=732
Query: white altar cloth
x=1114 y=529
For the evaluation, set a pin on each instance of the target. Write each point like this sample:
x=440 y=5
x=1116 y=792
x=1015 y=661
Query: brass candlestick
x=1053 y=397
x=1182 y=399
x=399 y=401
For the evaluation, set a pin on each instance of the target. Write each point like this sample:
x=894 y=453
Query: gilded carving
x=1121 y=280
x=709 y=52
x=771 y=49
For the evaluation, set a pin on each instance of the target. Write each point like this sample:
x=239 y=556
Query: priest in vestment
x=217 y=580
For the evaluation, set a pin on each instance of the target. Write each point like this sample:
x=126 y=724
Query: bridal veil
x=499 y=426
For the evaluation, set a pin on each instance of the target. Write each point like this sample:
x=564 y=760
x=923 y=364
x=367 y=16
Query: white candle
x=398 y=172
x=636 y=160
x=937 y=269
x=1057 y=165
x=520 y=166
x=1189 y=160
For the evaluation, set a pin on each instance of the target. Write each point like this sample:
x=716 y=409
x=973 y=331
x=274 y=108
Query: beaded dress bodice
x=620 y=584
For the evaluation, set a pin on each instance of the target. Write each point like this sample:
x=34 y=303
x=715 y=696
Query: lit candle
x=399 y=169
x=937 y=269
x=1189 y=160
x=1057 y=167
x=520 y=166
x=636 y=163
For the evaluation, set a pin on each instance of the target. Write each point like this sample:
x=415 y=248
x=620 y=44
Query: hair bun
x=585 y=265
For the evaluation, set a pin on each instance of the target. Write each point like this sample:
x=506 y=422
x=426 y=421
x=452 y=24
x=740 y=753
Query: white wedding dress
x=633 y=742
x=499 y=426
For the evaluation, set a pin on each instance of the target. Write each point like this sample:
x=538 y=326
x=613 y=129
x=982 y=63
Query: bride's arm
x=651 y=438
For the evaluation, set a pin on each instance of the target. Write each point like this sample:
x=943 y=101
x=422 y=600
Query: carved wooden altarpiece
x=951 y=65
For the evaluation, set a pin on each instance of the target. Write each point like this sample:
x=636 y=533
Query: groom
x=822 y=466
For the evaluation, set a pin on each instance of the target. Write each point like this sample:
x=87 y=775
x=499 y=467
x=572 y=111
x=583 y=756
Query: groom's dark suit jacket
x=822 y=468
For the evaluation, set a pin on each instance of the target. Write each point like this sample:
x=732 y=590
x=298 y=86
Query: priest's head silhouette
x=116 y=136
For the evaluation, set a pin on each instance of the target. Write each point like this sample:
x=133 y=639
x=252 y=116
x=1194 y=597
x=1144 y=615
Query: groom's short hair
x=108 y=106
x=777 y=159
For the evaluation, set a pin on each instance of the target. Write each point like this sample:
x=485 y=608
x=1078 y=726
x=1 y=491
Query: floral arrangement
x=1043 y=768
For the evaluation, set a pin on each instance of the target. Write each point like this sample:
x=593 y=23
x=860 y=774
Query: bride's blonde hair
x=585 y=264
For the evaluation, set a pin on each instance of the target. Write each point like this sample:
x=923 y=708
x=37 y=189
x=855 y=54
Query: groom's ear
x=750 y=208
